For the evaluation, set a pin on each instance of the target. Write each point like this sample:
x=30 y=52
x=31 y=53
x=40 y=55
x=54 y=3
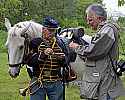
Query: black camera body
x=77 y=36
x=120 y=67
x=74 y=34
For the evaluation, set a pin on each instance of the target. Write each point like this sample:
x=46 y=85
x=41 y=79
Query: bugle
x=34 y=84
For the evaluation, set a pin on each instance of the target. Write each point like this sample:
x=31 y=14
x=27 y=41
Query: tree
x=70 y=13
x=11 y=10
x=121 y=2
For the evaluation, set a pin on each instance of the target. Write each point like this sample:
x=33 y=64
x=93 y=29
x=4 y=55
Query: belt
x=51 y=81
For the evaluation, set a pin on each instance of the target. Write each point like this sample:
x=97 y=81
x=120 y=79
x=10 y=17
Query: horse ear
x=7 y=24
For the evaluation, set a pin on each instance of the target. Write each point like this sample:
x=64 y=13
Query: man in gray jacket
x=99 y=78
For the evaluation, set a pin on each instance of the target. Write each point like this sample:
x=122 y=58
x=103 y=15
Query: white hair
x=98 y=9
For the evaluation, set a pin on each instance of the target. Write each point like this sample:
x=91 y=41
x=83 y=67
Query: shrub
x=3 y=37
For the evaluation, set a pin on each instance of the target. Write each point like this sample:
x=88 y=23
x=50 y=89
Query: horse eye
x=21 y=47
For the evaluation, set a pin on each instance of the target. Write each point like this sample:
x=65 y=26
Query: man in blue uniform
x=48 y=56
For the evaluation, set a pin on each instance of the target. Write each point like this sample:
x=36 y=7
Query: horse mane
x=29 y=27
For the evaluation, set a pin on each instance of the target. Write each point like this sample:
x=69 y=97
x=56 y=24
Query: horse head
x=16 y=43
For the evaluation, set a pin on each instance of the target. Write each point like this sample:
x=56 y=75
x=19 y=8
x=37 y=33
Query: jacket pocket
x=90 y=63
x=90 y=83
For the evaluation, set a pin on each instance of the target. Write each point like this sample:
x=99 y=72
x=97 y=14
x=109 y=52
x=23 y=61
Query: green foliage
x=3 y=36
x=66 y=22
x=121 y=21
x=21 y=10
x=121 y=2
x=122 y=45
x=10 y=9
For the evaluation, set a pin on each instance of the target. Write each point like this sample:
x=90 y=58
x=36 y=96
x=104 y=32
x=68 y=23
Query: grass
x=9 y=87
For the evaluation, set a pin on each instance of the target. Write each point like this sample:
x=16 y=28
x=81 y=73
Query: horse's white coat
x=15 y=42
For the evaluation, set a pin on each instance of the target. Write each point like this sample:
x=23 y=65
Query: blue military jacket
x=34 y=44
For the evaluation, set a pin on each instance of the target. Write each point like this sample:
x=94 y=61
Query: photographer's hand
x=73 y=45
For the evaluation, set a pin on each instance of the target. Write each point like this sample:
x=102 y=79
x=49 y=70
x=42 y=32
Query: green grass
x=9 y=87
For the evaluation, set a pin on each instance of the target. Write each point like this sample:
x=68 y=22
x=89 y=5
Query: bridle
x=26 y=51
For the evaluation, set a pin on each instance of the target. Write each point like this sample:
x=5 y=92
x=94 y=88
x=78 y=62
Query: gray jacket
x=99 y=78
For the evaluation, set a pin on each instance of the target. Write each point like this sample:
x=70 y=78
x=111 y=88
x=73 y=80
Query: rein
x=26 y=49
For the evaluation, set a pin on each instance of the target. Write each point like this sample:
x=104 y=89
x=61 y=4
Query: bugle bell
x=34 y=85
x=23 y=91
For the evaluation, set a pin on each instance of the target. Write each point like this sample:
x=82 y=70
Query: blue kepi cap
x=50 y=22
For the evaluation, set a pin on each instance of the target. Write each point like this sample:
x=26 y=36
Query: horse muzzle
x=14 y=70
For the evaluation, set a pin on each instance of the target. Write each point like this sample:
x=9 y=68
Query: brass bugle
x=23 y=91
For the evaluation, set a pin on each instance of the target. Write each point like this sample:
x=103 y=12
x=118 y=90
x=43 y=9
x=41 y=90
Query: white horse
x=15 y=42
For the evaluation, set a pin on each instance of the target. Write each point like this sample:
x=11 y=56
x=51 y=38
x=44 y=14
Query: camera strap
x=113 y=63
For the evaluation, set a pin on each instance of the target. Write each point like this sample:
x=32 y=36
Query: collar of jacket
x=102 y=24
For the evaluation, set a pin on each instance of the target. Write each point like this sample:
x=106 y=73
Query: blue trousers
x=54 y=91
x=109 y=98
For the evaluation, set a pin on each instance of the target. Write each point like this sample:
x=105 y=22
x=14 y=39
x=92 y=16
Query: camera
x=78 y=33
x=74 y=34
x=120 y=67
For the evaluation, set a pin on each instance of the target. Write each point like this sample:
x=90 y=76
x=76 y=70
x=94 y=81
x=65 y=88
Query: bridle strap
x=15 y=65
x=24 y=31
x=26 y=49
